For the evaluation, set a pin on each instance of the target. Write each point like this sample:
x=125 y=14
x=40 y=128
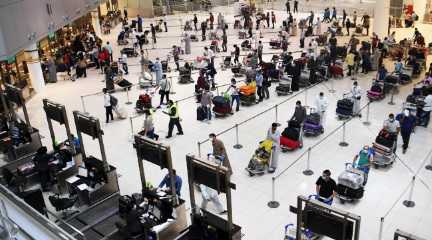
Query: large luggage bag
x=130 y=52
x=289 y=143
x=345 y=103
x=291 y=133
x=247 y=90
x=349 y=192
x=313 y=118
x=201 y=113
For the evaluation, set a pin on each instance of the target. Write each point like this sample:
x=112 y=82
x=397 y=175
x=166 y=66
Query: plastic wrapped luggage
x=350 y=184
x=383 y=156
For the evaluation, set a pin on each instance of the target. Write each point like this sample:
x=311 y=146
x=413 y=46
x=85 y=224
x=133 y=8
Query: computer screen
x=82 y=172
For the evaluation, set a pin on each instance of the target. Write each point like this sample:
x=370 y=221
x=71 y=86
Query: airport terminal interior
x=200 y=119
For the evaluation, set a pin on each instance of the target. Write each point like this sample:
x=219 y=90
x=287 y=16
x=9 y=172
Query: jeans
x=152 y=135
x=164 y=93
x=237 y=99
x=265 y=92
x=176 y=122
x=260 y=92
x=108 y=113
x=208 y=112
x=405 y=138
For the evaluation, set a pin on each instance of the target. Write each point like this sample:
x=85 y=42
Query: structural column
x=381 y=18
x=34 y=68
x=96 y=23
x=420 y=8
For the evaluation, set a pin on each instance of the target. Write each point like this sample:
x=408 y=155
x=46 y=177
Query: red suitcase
x=289 y=143
x=336 y=70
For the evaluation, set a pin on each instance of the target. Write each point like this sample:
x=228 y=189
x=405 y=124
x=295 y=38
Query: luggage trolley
x=146 y=150
x=344 y=109
x=261 y=159
x=218 y=178
x=350 y=186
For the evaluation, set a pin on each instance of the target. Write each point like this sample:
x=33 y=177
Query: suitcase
x=291 y=133
x=391 y=79
x=312 y=128
x=201 y=113
x=349 y=192
x=336 y=70
x=121 y=113
x=313 y=118
x=352 y=178
x=282 y=88
x=387 y=142
x=26 y=169
x=275 y=43
x=344 y=112
x=286 y=142
x=164 y=64
x=248 y=99
x=293 y=124
x=345 y=104
x=130 y=52
x=359 y=29
x=411 y=99
x=219 y=101
x=224 y=109
x=247 y=90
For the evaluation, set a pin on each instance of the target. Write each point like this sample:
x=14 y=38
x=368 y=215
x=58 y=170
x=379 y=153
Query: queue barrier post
x=127 y=97
x=131 y=127
x=199 y=149
x=172 y=86
x=306 y=96
x=237 y=145
x=217 y=91
x=308 y=171
x=409 y=203
x=392 y=95
x=276 y=114
x=381 y=228
x=273 y=203
x=83 y=105
x=367 y=122
x=332 y=90
x=343 y=143
x=429 y=166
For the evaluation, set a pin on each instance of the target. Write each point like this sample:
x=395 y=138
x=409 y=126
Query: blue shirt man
x=166 y=182
x=407 y=124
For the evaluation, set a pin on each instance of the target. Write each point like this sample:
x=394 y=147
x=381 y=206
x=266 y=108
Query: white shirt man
x=428 y=103
x=321 y=105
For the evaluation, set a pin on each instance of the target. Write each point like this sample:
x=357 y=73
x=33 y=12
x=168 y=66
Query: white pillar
x=96 y=23
x=34 y=68
x=381 y=18
x=420 y=8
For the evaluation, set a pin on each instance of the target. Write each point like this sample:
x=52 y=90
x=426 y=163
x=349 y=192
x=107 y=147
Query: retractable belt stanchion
x=367 y=122
x=392 y=95
x=127 y=96
x=276 y=115
x=83 y=105
x=308 y=171
x=343 y=143
x=199 y=149
x=332 y=90
x=429 y=166
x=131 y=128
x=273 y=203
x=237 y=145
x=172 y=86
x=381 y=228
x=409 y=202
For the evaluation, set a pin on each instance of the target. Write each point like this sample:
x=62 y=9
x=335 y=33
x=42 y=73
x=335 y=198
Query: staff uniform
x=220 y=151
x=356 y=92
x=187 y=41
x=174 y=120
x=157 y=68
x=275 y=138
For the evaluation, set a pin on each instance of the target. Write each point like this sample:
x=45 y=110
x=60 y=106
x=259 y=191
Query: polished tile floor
x=386 y=188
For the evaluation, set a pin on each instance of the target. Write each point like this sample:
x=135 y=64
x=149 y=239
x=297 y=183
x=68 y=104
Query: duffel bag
x=247 y=90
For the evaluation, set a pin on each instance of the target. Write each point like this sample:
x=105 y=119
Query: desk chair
x=63 y=205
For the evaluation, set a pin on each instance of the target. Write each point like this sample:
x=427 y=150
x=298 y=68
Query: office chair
x=63 y=205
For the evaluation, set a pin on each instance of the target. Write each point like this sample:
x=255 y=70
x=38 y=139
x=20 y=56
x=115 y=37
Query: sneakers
x=168 y=137
x=180 y=133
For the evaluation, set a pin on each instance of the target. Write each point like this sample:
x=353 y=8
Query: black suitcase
x=283 y=88
x=343 y=111
x=411 y=98
x=391 y=79
x=345 y=104
x=293 y=124
x=313 y=118
x=349 y=192
x=164 y=66
x=404 y=78
x=291 y=133
x=130 y=52
x=201 y=113
x=387 y=142
x=218 y=101
x=125 y=205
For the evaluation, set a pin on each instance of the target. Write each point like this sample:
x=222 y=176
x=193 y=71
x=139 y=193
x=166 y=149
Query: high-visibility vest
x=174 y=106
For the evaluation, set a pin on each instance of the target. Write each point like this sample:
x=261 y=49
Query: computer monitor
x=82 y=172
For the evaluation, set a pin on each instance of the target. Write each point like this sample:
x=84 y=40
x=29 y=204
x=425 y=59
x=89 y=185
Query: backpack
x=113 y=101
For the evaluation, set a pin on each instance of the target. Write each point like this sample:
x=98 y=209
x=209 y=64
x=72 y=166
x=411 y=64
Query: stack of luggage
x=284 y=87
x=344 y=108
x=247 y=95
x=376 y=92
x=185 y=75
x=312 y=125
x=350 y=185
x=390 y=82
x=222 y=106
x=144 y=102
x=275 y=43
x=383 y=147
x=261 y=158
x=291 y=139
